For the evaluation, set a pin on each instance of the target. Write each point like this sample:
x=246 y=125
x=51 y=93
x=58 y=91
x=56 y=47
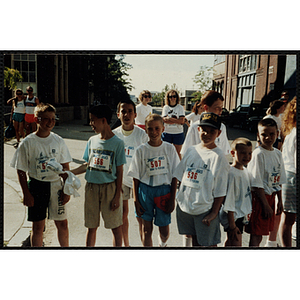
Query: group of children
x=131 y=161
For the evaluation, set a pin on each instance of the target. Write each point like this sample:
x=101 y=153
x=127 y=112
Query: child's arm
x=115 y=203
x=180 y=121
x=171 y=202
x=214 y=211
x=81 y=169
x=138 y=207
x=28 y=198
x=65 y=198
x=267 y=210
x=233 y=231
x=279 y=204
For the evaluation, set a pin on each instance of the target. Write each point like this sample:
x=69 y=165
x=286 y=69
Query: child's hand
x=233 y=234
x=207 y=219
x=267 y=211
x=115 y=203
x=64 y=198
x=170 y=206
x=139 y=208
x=64 y=176
x=28 y=200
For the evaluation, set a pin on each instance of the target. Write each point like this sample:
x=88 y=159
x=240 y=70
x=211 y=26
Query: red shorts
x=29 y=118
x=258 y=224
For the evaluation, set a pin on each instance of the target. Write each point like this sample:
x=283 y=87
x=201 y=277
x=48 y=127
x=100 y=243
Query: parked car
x=225 y=115
x=240 y=115
x=253 y=121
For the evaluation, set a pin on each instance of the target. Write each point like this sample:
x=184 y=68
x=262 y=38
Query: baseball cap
x=210 y=119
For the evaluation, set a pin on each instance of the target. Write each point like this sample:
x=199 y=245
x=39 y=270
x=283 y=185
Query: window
x=247 y=63
x=26 y=64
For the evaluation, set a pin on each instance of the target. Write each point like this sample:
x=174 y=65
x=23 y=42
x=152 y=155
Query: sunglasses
x=29 y=90
x=147 y=96
x=173 y=96
x=19 y=94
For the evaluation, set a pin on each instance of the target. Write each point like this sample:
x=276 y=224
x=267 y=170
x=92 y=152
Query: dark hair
x=210 y=97
x=143 y=93
x=127 y=101
x=196 y=107
x=42 y=108
x=267 y=122
x=101 y=111
x=274 y=105
x=167 y=102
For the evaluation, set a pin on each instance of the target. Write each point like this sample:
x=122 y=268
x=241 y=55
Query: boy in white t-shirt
x=154 y=187
x=133 y=136
x=44 y=191
x=237 y=206
x=203 y=173
x=143 y=109
x=211 y=101
x=267 y=174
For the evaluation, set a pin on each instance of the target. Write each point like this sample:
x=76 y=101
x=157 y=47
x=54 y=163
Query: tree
x=203 y=79
x=11 y=77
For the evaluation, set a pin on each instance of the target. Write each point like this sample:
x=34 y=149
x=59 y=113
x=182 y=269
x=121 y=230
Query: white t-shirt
x=289 y=151
x=20 y=108
x=267 y=170
x=192 y=117
x=203 y=174
x=154 y=166
x=238 y=198
x=134 y=140
x=173 y=112
x=34 y=151
x=142 y=111
x=192 y=138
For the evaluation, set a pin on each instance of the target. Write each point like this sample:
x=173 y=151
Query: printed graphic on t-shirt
x=193 y=177
x=157 y=165
x=102 y=160
x=129 y=151
x=41 y=166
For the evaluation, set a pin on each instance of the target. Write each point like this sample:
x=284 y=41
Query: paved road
x=76 y=133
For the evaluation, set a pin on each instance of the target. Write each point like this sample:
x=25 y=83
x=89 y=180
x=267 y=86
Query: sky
x=152 y=71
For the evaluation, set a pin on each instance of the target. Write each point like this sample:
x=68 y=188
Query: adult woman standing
x=289 y=153
x=174 y=117
x=17 y=115
x=143 y=109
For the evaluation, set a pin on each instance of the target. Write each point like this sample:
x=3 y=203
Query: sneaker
x=161 y=244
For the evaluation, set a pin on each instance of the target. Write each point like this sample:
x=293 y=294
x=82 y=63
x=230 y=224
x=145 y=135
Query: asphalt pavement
x=17 y=228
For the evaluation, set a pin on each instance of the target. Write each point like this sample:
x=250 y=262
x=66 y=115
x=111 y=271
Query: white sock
x=271 y=244
x=187 y=241
x=161 y=244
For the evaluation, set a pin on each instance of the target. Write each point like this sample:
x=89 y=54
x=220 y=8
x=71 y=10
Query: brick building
x=254 y=78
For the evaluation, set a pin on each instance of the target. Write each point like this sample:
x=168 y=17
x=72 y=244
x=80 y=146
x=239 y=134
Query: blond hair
x=153 y=117
x=42 y=108
x=289 y=117
x=240 y=141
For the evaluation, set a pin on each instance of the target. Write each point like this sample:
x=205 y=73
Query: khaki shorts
x=98 y=199
x=127 y=192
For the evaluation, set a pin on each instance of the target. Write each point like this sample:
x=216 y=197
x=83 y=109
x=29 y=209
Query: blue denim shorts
x=146 y=195
x=176 y=139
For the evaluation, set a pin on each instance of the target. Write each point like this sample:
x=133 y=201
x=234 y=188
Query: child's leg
x=36 y=238
x=117 y=234
x=187 y=240
x=147 y=233
x=91 y=237
x=195 y=241
x=164 y=234
x=271 y=241
x=140 y=221
x=286 y=229
x=178 y=149
x=255 y=240
x=62 y=232
x=16 y=126
x=125 y=223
